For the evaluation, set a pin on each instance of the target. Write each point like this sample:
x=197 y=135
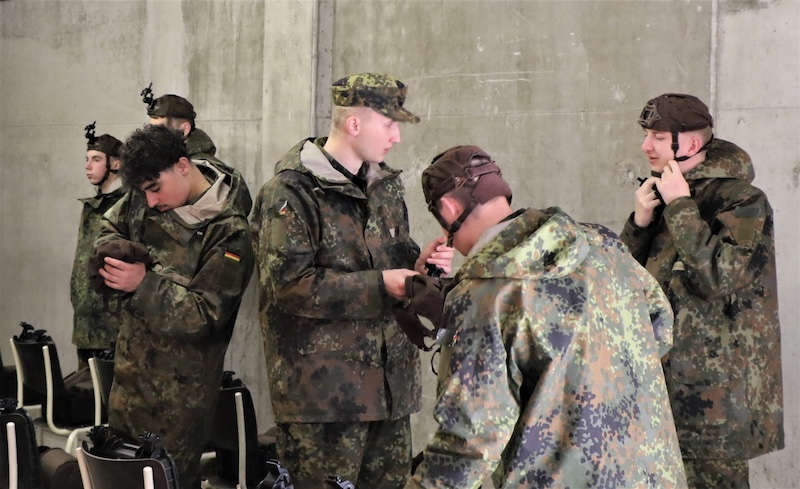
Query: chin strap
x=465 y=185
x=676 y=146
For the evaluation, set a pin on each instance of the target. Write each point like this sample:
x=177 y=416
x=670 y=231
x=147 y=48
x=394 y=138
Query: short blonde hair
x=340 y=114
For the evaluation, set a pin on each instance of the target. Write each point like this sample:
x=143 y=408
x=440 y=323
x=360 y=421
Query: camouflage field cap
x=382 y=93
x=171 y=106
x=675 y=112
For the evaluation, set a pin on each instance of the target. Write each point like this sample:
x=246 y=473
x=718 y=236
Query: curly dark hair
x=149 y=151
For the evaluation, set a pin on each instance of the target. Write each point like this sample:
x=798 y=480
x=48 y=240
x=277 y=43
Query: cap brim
x=402 y=115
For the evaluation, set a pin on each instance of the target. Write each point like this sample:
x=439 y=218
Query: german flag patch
x=232 y=256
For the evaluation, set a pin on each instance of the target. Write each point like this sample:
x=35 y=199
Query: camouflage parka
x=199 y=146
x=550 y=372
x=95 y=318
x=177 y=324
x=334 y=351
x=714 y=256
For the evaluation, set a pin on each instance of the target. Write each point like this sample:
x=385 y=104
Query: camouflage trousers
x=183 y=429
x=717 y=473
x=373 y=454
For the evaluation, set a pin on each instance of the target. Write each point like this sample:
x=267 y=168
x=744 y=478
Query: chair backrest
x=28 y=465
x=8 y=379
x=105 y=373
x=33 y=370
x=110 y=473
x=223 y=433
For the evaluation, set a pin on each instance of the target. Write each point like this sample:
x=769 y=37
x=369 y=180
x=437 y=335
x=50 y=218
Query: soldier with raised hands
x=709 y=242
x=550 y=372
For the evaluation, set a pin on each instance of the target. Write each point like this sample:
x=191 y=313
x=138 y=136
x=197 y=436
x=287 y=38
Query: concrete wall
x=550 y=88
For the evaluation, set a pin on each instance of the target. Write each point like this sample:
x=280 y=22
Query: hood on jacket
x=537 y=244
x=724 y=160
x=227 y=196
x=199 y=142
x=308 y=157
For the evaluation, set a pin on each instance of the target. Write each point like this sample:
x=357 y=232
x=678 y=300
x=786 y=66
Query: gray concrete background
x=551 y=89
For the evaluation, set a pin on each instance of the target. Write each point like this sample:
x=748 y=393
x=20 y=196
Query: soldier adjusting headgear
x=382 y=93
x=676 y=112
x=468 y=174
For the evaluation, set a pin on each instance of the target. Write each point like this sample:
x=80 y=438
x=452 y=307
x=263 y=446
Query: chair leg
x=11 y=434
x=87 y=484
x=242 y=442
x=98 y=404
x=48 y=375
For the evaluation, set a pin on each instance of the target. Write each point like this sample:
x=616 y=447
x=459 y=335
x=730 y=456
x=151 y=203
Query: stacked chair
x=235 y=408
x=70 y=405
x=114 y=463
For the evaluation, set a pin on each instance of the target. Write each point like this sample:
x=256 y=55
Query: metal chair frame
x=71 y=434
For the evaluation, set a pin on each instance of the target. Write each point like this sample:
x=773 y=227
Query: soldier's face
x=168 y=191
x=377 y=134
x=95 y=166
x=657 y=146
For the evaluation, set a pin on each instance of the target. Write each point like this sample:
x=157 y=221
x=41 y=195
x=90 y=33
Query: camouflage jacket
x=200 y=146
x=334 y=350
x=714 y=256
x=177 y=324
x=95 y=317
x=550 y=371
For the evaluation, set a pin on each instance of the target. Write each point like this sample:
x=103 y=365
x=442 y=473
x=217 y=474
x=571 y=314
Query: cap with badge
x=382 y=93
x=675 y=112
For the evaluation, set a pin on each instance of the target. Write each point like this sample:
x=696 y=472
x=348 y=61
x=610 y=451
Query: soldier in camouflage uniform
x=711 y=248
x=192 y=216
x=94 y=318
x=178 y=113
x=333 y=253
x=550 y=372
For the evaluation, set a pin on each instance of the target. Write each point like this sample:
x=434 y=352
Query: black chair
x=19 y=448
x=115 y=473
x=103 y=370
x=235 y=405
x=39 y=371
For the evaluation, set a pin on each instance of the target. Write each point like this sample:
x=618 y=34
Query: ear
x=696 y=143
x=183 y=165
x=115 y=163
x=352 y=125
x=450 y=208
x=186 y=127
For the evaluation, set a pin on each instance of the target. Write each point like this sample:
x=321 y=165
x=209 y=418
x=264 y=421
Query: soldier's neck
x=343 y=152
